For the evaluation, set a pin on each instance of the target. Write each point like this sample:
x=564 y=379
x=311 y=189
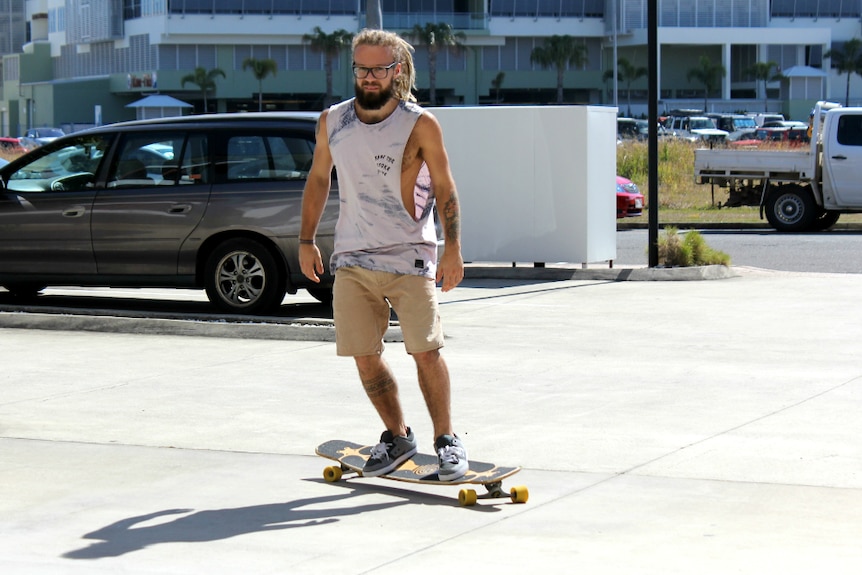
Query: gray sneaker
x=391 y=452
x=451 y=458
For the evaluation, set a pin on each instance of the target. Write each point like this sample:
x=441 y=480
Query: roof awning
x=803 y=72
x=159 y=101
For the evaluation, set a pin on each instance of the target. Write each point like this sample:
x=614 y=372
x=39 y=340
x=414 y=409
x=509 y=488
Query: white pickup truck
x=799 y=189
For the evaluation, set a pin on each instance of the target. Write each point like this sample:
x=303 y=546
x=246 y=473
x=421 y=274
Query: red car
x=11 y=146
x=630 y=201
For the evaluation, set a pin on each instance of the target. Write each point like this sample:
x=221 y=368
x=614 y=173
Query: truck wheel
x=242 y=276
x=791 y=209
x=826 y=220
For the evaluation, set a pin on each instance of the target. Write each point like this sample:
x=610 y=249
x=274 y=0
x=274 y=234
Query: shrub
x=692 y=250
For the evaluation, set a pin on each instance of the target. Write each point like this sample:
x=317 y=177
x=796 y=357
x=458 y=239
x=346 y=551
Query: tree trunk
x=328 y=69
x=559 y=85
x=260 y=96
x=373 y=15
x=432 y=75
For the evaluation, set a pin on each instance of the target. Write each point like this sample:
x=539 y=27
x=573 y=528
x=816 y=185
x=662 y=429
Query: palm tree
x=709 y=75
x=627 y=73
x=435 y=36
x=848 y=61
x=261 y=69
x=203 y=79
x=559 y=52
x=330 y=45
x=373 y=15
x=496 y=84
x=762 y=72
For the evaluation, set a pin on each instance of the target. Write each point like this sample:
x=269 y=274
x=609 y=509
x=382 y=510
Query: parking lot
x=662 y=427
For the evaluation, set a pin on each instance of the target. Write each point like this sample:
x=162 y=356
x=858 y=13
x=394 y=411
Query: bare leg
x=434 y=383
x=382 y=390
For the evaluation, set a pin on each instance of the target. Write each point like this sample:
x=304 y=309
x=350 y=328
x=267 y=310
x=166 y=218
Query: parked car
x=785 y=124
x=793 y=136
x=694 y=128
x=737 y=126
x=210 y=201
x=35 y=137
x=763 y=118
x=630 y=201
x=632 y=129
x=11 y=146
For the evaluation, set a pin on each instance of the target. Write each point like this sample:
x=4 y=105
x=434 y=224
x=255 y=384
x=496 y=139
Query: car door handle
x=180 y=209
x=74 y=212
x=839 y=157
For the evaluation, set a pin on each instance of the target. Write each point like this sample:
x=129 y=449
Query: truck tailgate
x=771 y=164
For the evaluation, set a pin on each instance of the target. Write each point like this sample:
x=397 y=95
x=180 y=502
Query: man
x=392 y=167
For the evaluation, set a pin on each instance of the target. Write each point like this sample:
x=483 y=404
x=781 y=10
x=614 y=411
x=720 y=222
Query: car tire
x=826 y=220
x=791 y=209
x=323 y=295
x=24 y=290
x=242 y=276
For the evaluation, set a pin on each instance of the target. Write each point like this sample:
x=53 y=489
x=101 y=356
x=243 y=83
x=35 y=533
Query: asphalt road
x=837 y=251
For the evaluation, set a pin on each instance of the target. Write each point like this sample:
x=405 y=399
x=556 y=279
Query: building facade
x=75 y=63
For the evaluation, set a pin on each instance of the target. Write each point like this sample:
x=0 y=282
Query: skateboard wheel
x=332 y=474
x=467 y=497
x=519 y=494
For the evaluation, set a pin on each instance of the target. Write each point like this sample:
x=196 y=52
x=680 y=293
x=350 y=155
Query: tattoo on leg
x=378 y=386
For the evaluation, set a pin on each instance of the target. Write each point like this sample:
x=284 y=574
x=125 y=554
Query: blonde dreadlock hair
x=402 y=52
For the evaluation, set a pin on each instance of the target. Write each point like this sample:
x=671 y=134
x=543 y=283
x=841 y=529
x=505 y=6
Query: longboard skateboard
x=422 y=468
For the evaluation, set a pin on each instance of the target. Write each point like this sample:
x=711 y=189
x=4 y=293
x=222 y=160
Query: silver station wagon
x=211 y=201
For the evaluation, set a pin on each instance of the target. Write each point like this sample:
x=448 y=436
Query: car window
x=702 y=124
x=70 y=167
x=268 y=157
x=850 y=130
x=159 y=159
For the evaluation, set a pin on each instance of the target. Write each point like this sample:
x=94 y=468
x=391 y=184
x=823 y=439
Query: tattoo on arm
x=452 y=218
x=378 y=386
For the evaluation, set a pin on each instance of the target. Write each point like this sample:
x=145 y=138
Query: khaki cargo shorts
x=360 y=305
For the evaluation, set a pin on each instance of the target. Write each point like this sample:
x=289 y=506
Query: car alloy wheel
x=242 y=277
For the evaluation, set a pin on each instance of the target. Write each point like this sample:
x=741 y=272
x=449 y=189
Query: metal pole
x=652 y=147
x=616 y=71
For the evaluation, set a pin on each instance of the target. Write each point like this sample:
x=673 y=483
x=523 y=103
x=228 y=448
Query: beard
x=372 y=100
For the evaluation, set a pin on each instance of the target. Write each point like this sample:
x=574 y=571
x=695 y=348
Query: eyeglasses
x=378 y=72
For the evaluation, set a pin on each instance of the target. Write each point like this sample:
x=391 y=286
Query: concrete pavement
x=664 y=427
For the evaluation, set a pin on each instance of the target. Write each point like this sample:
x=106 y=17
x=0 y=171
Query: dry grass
x=681 y=200
x=8 y=157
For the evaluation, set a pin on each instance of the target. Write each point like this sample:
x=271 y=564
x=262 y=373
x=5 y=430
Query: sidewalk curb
x=713 y=272
x=321 y=330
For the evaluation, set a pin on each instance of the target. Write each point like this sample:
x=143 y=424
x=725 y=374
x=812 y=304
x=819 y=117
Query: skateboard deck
x=422 y=468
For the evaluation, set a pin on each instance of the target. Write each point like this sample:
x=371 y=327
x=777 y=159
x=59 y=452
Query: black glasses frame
x=378 y=72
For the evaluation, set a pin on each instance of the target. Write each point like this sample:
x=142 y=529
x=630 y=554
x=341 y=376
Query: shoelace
x=380 y=452
x=450 y=454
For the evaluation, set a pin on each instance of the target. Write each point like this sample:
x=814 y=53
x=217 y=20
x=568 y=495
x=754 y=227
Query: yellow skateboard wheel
x=467 y=497
x=332 y=474
x=519 y=494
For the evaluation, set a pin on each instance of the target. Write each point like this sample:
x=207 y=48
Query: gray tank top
x=374 y=230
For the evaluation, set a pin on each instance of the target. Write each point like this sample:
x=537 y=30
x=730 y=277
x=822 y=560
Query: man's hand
x=450 y=269
x=310 y=262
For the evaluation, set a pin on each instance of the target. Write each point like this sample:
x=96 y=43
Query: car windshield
x=744 y=123
x=701 y=124
x=48 y=133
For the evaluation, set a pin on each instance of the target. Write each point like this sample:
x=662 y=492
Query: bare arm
x=314 y=198
x=450 y=269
